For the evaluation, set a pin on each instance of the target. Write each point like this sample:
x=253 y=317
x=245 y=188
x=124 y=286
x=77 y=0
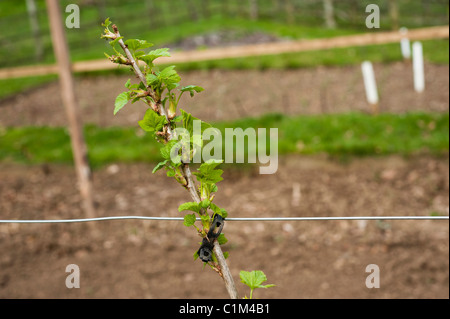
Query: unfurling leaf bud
x=172 y=110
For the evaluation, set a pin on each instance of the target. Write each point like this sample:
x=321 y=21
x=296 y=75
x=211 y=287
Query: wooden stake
x=328 y=14
x=34 y=23
x=79 y=148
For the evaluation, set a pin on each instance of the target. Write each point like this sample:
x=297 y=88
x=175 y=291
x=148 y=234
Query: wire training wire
x=255 y=219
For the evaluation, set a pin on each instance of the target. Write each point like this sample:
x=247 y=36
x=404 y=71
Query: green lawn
x=342 y=135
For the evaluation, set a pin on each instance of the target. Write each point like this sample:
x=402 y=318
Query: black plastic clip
x=205 y=251
x=216 y=227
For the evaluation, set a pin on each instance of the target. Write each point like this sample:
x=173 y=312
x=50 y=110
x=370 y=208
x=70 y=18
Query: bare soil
x=143 y=259
x=234 y=94
x=149 y=259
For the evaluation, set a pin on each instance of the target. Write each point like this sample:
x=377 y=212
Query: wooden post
x=253 y=10
x=328 y=9
x=192 y=9
x=79 y=148
x=34 y=23
x=289 y=8
x=394 y=14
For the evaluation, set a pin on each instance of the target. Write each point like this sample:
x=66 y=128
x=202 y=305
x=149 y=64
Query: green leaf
x=192 y=206
x=152 y=79
x=214 y=258
x=189 y=220
x=152 y=122
x=113 y=42
x=166 y=150
x=121 y=100
x=219 y=211
x=177 y=119
x=206 y=220
x=196 y=255
x=222 y=240
x=132 y=44
x=135 y=44
x=205 y=203
x=107 y=23
x=159 y=166
x=207 y=172
x=226 y=254
x=170 y=172
x=254 y=279
x=188 y=123
x=153 y=55
x=128 y=84
x=170 y=77
x=192 y=89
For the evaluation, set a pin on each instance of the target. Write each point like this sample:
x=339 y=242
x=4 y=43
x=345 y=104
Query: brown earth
x=143 y=259
x=234 y=94
x=150 y=259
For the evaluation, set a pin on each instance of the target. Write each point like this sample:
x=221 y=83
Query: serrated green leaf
x=188 y=122
x=205 y=203
x=138 y=54
x=192 y=206
x=152 y=79
x=152 y=122
x=206 y=220
x=153 y=55
x=207 y=172
x=189 y=220
x=121 y=100
x=132 y=44
x=128 y=84
x=192 y=89
x=254 y=279
x=107 y=23
x=222 y=240
x=159 y=166
x=169 y=77
x=177 y=119
x=213 y=257
x=136 y=44
x=219 y=211
x=170 y=172
x=113 y=42
x=167 y=149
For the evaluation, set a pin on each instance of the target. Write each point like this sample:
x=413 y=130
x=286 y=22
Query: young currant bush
x=160 y=90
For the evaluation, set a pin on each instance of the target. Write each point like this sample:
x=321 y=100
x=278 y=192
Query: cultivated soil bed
x=149 y=259
x=153 y=259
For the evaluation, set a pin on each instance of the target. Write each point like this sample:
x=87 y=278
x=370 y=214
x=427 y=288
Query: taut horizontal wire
x=243 y=219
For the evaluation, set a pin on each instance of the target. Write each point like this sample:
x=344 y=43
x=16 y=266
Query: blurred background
x=337 y=156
